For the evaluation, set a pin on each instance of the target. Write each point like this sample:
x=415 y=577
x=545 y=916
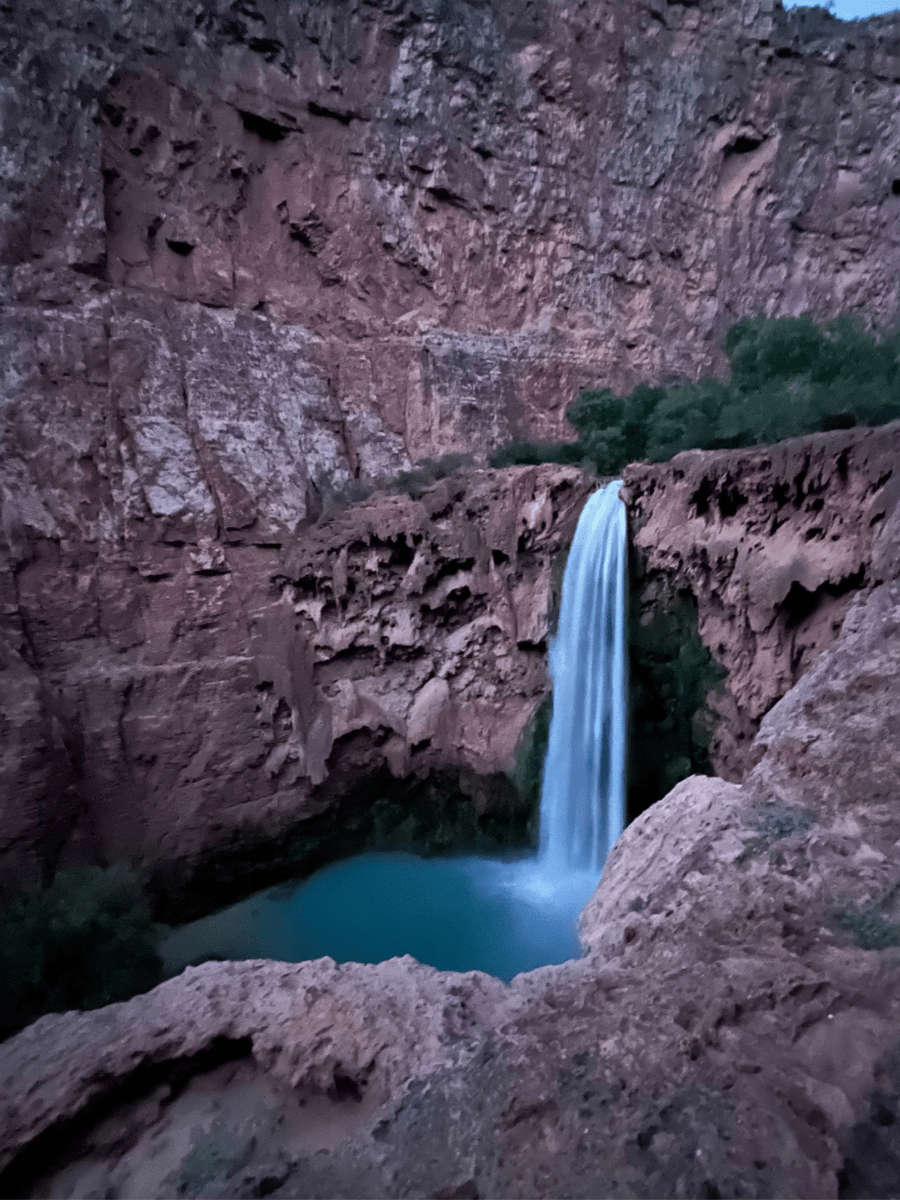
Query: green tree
x=85 y=941
x=788 y=377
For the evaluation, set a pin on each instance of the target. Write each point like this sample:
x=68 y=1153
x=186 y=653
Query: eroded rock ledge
x=774 y=543
x=183 y=704
x=731 y=1030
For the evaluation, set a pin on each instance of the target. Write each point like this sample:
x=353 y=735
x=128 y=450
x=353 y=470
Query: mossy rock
x=528 y=772
x=671 y=676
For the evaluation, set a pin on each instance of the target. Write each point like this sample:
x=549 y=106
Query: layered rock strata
x=181 y=703
x=731 y=1030
x=458 y=213
x=773 y=544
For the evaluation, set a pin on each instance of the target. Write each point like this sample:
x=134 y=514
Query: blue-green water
x=457 y=914
x=464 y=914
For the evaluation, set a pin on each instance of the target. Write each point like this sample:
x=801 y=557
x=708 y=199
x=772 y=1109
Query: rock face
x=774 y=544
x=446 y=217
x=197 y=699
x=252 y=251
x=730 y=1031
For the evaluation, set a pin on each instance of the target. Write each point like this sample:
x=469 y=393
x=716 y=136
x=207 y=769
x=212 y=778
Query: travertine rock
x=774 y=543
x=199 y=697
x=319 y=1027
x=252 y=252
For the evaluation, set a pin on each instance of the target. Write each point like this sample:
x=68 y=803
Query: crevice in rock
x=447 y=196
x=182 y=249
x=871 y=1166
x=726 y=495
x=800 y=603
x=333 y=114
x=263 y=127
x=744 y=143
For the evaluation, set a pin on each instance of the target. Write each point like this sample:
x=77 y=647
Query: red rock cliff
x=774 y=543
x=248 y=250
x=444 y=218
x=206 y=708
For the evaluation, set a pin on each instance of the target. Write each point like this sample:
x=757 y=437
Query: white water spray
x=583 y=792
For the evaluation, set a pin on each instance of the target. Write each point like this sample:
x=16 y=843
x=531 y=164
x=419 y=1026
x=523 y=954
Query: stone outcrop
x=774 y=543
x=730 y=1031
x=198 y=699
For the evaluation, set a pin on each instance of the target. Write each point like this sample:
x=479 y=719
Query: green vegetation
x=210 y=1160
x=528 y=771
x=85 y=941
x=671 y=674
x=788 y=377
x=449 y=812
x=427 y=472
x=870 y=929
x=414 y=482
x=778 y=821
x=772 y=823
x=517 y=454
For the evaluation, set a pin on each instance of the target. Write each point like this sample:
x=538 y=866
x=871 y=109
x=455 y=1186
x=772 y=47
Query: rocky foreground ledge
x=731 y=1031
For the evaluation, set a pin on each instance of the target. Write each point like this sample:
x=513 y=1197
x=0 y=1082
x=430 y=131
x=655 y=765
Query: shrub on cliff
x=517 y=454
x=414 y=482
x=788 y=377
x=85 y=941
x=428 y=471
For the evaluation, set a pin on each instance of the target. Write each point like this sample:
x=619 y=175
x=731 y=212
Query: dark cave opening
x=263 y=127
x=726 y=496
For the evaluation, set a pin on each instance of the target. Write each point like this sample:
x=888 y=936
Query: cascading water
x=479 y=913
x=583 y=791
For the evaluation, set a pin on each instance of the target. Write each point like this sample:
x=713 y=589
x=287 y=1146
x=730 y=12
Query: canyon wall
x=732 y=1029
x=251 y=251
x=213 y=711
x=445 y=215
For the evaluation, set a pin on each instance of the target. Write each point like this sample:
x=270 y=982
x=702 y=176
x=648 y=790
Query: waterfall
x=583 y=792
x=473 y=913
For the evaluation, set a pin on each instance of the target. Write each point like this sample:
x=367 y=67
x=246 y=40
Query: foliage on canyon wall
x=85 y=941
x=788 y=377
x=452 y=812
x=521 y=453
x=335 y=498
x=671 y=675
x=528 y=772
